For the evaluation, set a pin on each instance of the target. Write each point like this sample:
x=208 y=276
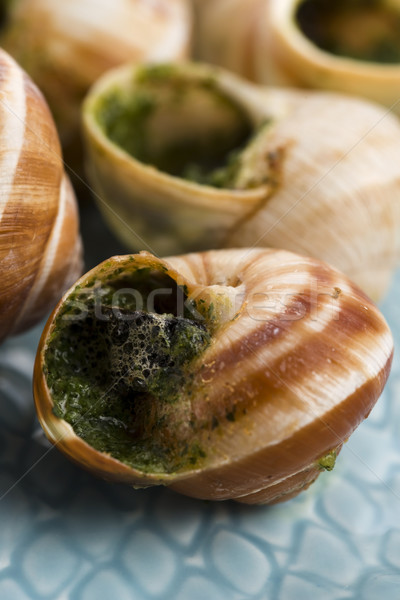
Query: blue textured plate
x=66 y=535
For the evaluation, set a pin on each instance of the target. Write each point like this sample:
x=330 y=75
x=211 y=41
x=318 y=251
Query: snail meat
x=228 y=374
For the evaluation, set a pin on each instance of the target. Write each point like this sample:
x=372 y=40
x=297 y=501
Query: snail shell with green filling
x=189 y=157
x=349 y=46
x=224 y=374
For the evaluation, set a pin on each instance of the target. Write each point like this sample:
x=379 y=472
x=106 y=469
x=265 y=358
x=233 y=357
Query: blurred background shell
x=40 y=247
x=65 y=46
x=350 y=47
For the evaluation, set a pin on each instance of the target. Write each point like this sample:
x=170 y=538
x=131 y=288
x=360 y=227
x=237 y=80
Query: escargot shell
x=306 y=43
x=224 y=374
x=40 y=247
x=311 y=172
x=66 y=46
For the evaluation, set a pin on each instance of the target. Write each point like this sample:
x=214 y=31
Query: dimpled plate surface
x=66 y=535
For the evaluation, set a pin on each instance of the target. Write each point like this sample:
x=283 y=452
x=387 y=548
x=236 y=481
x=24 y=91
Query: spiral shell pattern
x=40 y=248
x=298 y=359
x=299 y=367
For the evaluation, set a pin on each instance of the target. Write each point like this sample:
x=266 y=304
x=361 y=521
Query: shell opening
x=119 y=367
x=182 y=122
x=332 y=26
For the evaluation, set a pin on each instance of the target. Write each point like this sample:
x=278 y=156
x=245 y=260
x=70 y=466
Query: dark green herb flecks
x=134 y=118
x=228 y=174
x=161 y=346
x=124 y=119
x=120 y=374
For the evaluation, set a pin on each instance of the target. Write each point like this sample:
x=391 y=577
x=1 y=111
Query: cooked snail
x=191 y=157
x=224 y=374
x=40 y=247
x=65 y=46
x=350 y=46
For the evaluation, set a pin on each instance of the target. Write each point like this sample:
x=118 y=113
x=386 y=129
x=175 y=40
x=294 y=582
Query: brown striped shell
x=66 y=46
x=297 y=359
x=40 y=247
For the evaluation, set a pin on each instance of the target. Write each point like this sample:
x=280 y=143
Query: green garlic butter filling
x=366 y=30
x=182 y=125
x=119 y=368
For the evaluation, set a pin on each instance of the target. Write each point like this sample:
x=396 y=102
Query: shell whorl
x=40 y=248
x=300 y=355
x=336 y=194
x=291 y=371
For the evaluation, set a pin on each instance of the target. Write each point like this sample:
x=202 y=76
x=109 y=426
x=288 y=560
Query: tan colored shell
x=265 y=44
x=66 y=46
x=232 y=47
x=294 y=366
x=323 y=178
x=40 y=247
